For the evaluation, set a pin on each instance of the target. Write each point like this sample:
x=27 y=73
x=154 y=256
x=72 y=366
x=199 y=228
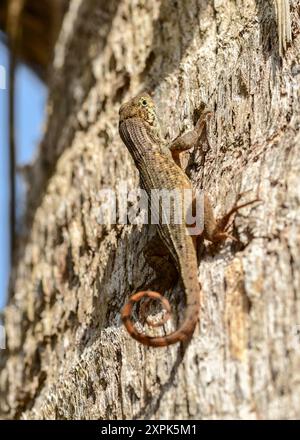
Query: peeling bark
x=67 y=354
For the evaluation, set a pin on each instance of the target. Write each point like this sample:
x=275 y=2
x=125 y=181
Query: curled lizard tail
x=184 y=332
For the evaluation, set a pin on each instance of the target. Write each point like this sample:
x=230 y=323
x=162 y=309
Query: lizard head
x=141 y=107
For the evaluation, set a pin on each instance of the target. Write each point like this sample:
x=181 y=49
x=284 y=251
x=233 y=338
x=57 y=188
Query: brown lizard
x=158 y=166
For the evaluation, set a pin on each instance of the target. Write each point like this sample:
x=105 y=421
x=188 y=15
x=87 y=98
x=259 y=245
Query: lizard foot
x=224 y=224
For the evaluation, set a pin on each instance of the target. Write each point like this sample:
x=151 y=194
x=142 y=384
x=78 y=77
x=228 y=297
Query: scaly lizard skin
x=158 y=166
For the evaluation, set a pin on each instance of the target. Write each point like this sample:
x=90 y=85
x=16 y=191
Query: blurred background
x=28 y=31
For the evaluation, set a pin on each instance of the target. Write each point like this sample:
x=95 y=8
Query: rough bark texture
x=68 y=355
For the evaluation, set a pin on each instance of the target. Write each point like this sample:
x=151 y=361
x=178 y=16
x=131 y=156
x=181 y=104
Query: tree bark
x=68 y=355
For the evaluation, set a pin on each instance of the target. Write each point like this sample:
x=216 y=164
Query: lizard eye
x=144 y=103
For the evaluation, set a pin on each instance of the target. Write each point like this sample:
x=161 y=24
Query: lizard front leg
x=190 y=139
x=215 y=230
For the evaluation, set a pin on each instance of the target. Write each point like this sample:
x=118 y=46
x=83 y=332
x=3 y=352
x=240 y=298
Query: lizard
x=159 y=168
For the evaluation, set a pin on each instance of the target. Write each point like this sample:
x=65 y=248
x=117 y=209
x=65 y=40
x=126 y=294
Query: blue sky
x=31 y=95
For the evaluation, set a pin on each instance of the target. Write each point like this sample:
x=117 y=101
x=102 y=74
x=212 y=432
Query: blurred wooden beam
x=38 y=26
x=14 y=12
x=32 y=28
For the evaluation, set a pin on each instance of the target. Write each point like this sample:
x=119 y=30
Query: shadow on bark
x=268 y=27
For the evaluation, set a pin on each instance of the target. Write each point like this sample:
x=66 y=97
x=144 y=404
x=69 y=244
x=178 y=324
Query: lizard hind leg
x=215 y=230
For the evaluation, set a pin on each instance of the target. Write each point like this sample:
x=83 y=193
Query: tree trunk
x=68 y=355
